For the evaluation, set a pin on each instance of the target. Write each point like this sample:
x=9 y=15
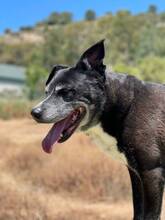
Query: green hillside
x=135 y=44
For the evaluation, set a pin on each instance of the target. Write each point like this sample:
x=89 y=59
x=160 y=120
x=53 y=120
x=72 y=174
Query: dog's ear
x=93 y=57
x=53 y=72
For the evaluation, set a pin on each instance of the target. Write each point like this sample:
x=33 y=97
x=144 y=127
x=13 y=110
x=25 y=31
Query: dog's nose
x=36 y=113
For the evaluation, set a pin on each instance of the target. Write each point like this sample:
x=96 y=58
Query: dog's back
x=136 y=117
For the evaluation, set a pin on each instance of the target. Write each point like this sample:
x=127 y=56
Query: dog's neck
x=120 y=92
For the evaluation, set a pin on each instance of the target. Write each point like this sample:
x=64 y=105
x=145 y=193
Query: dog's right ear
x=93 y=57
x=53 y=72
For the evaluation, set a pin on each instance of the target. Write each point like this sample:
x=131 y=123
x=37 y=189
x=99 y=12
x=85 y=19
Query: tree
x=152 y=9
x=8 y=31
x=122 y=35
x=65 y=18
x=162 y=16
x=52 y=48
x=59 y=18
x=90 y=15
x=34 y=77
x=26 y=28
x=146 y=45
x=53 y=18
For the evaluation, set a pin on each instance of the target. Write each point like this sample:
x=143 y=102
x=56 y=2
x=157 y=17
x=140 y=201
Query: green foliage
x=34 y=81
x=152 y=9
x=135 y=44
x=90 y=15
x=52 y=48
x=153 y=69
x=146 y=42
x=7 y=31
x=131 y=70
x=149 y=69
x=26 y=28
x=16 y=53
x=162 y=16
x=59 y=18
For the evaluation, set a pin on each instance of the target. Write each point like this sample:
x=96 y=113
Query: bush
x=90 y=15
x=34 y=77
x=122 y=68
x=153 y=69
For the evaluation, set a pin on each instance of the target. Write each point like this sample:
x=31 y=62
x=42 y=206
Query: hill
x=129 y=38
x=135 y=44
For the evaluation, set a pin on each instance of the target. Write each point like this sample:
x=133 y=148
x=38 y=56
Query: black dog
x=131 y=110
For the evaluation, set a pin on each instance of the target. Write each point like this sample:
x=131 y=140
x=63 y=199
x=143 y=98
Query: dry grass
x=14 y=108
x=76 y=182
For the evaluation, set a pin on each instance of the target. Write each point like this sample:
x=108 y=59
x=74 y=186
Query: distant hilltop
x=35 y=34
x=133 y=41
x=23 y=36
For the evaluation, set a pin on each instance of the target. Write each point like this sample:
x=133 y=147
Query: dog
x=131 y=110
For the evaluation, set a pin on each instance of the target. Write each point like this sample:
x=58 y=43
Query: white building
x=12 y=79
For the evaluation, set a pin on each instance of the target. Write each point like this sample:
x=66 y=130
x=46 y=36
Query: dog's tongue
x=53 y=135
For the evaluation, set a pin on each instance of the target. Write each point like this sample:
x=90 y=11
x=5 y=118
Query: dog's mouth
x=63 y=129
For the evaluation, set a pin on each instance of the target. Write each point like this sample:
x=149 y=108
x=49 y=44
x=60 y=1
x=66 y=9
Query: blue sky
x=16 y=13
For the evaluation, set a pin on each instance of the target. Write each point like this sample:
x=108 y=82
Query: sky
x=17 y=13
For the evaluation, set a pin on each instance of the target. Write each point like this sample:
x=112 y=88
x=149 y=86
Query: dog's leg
x=137 y=195
x=153 y=184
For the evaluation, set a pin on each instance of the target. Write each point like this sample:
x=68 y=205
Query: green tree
x=8 y=31
x=152 y=9
x=59 y=18
x=90 y=15
x=65 y=18
x=162 y=16
x=53 y=48
x=26 y=28
x=34 y=76
x=122 y=37
x=146 y=45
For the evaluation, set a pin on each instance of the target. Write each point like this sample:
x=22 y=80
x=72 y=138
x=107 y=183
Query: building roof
x=12 y=72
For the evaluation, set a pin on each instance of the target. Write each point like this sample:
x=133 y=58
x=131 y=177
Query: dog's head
x=75 y=97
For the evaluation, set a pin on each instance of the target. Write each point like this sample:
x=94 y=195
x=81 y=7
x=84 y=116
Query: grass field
x=76 y=182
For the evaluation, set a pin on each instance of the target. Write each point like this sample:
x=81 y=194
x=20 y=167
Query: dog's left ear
x=93 y=57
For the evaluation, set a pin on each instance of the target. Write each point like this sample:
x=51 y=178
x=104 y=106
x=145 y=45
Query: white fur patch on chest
x=106 y=143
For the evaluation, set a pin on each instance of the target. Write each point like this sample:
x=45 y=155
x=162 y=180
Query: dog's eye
x=47 y=93
x=67 y=94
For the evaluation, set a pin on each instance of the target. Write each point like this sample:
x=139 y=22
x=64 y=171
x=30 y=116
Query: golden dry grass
x=76 y=182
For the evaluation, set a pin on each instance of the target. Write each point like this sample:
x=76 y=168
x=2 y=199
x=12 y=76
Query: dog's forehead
x=63 y=78
x=63 y=75
x=69 y=75
x=59 y=76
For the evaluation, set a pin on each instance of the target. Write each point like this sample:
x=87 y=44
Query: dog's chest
x=107 y=143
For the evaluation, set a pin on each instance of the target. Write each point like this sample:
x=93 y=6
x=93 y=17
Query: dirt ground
x=76 y=182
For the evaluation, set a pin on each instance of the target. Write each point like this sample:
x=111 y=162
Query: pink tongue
x=53 y=135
